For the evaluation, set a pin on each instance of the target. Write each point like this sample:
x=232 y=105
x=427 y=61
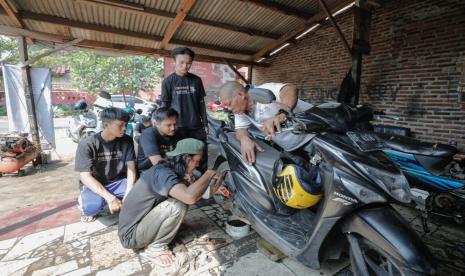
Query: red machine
x=15 y=152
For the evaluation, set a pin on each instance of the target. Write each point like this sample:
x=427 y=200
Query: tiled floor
x=94 y=248
x=77 y=248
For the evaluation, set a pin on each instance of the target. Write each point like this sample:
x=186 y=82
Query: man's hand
x=114 y=205
x=206 y=130
x=248 y=150
x=211 y=173
x=273 y=125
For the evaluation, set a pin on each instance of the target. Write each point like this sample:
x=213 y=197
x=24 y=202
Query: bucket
x=236 y=228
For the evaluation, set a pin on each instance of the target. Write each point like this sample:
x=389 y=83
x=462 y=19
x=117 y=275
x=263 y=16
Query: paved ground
x=41 y=234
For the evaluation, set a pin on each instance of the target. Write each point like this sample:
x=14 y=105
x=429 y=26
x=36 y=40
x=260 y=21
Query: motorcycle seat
x=412 y=146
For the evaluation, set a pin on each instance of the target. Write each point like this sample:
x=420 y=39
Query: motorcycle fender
x=387 y=229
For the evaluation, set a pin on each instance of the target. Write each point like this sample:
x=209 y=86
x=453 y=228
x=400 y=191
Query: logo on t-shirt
x=166 y=148
x=184 y=90
x=109 y=155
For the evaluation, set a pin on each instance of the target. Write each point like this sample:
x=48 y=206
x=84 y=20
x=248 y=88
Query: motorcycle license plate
x=365 y=141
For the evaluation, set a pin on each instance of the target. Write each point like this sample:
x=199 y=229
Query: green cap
x=187 y=146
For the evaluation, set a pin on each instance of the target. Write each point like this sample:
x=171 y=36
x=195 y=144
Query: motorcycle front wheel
x=376 y=261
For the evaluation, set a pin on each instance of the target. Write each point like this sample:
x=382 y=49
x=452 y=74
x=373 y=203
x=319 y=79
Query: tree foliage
x=92 y=72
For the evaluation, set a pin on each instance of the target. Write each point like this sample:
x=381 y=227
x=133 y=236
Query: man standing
x=184 y=92
x=155 y=141
x=155 y=208
x=105 y=162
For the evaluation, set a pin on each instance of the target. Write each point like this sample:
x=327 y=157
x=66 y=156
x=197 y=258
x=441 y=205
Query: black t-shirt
x=140 y=127
x=153 y=143
x=105 y=160
x=185 y=94
x=151 y=189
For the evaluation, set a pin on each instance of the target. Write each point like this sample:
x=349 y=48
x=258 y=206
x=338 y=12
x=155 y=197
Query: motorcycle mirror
x=261 y=95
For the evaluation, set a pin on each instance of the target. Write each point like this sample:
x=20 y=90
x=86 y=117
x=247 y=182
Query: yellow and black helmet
x=298 y=188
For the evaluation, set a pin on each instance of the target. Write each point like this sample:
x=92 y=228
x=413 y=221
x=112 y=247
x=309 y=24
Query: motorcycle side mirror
x=261 y=95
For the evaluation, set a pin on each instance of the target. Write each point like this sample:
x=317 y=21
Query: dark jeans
x=200 y=134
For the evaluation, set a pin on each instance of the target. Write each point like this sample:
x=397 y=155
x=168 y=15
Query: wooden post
x=27 y=86
x=237 y=72
x=336 y=26
x=250 y=73
x=360 y=45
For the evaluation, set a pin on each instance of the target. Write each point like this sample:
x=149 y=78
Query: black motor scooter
x=354 y=212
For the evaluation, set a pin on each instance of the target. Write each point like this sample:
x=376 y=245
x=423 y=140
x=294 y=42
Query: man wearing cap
x=156 y=206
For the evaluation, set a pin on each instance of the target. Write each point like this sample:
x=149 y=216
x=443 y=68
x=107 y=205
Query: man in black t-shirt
x=155 y=208
x=145 y=122
x=105 y=162
x=155 y=141
x=184 y=92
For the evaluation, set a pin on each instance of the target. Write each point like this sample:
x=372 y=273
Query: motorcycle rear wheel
x=378 y=261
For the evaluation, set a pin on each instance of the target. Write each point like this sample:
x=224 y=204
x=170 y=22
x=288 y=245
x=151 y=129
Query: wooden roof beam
x=186 y=6
x=11 y=14
x=280 y=8
x=120 y=48
x=100 y=28
x=141 y=9
x=290 y=35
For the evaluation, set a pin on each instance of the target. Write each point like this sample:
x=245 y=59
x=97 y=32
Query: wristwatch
x=282 y=111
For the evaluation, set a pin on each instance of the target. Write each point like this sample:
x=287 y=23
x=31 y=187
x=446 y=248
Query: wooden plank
x=11 y=14
x=229 y=27
x=120 y=48
x=280 y=8
x=100 y=28
x=336 y=26
x=290 y=35
x=186 y=6
x=59 y=48
x=236 y=72
x=143 y=10
x=250 y=73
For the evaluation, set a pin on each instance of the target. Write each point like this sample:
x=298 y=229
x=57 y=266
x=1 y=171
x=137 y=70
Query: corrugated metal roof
x=169 y=6
x=5 y=21
x=220 y=37
x=244 y=15
x=98 y=15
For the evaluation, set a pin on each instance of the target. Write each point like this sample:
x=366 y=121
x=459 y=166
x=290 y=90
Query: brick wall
x=416 y=68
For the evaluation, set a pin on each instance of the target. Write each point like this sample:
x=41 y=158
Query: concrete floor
x=41 y=235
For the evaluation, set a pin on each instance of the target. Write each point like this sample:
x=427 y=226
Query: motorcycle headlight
x=362 y=193
x=394 y=184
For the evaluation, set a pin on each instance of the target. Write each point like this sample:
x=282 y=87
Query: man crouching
x=155 y=208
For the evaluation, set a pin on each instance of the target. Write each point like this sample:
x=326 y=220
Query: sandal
x=88 y=219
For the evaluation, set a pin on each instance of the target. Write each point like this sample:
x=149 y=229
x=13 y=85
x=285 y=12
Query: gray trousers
x=159 y=227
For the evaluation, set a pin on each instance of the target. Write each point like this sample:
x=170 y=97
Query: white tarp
x=16 y=102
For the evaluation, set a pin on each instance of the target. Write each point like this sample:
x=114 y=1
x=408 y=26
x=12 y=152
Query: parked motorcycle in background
x=83 y=124
x=435 y=173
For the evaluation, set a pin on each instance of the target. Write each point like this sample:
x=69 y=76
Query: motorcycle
x=83 y=124
x=437 y=180
x=354 y=211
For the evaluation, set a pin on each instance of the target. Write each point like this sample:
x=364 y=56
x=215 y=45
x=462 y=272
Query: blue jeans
x=91 y=203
